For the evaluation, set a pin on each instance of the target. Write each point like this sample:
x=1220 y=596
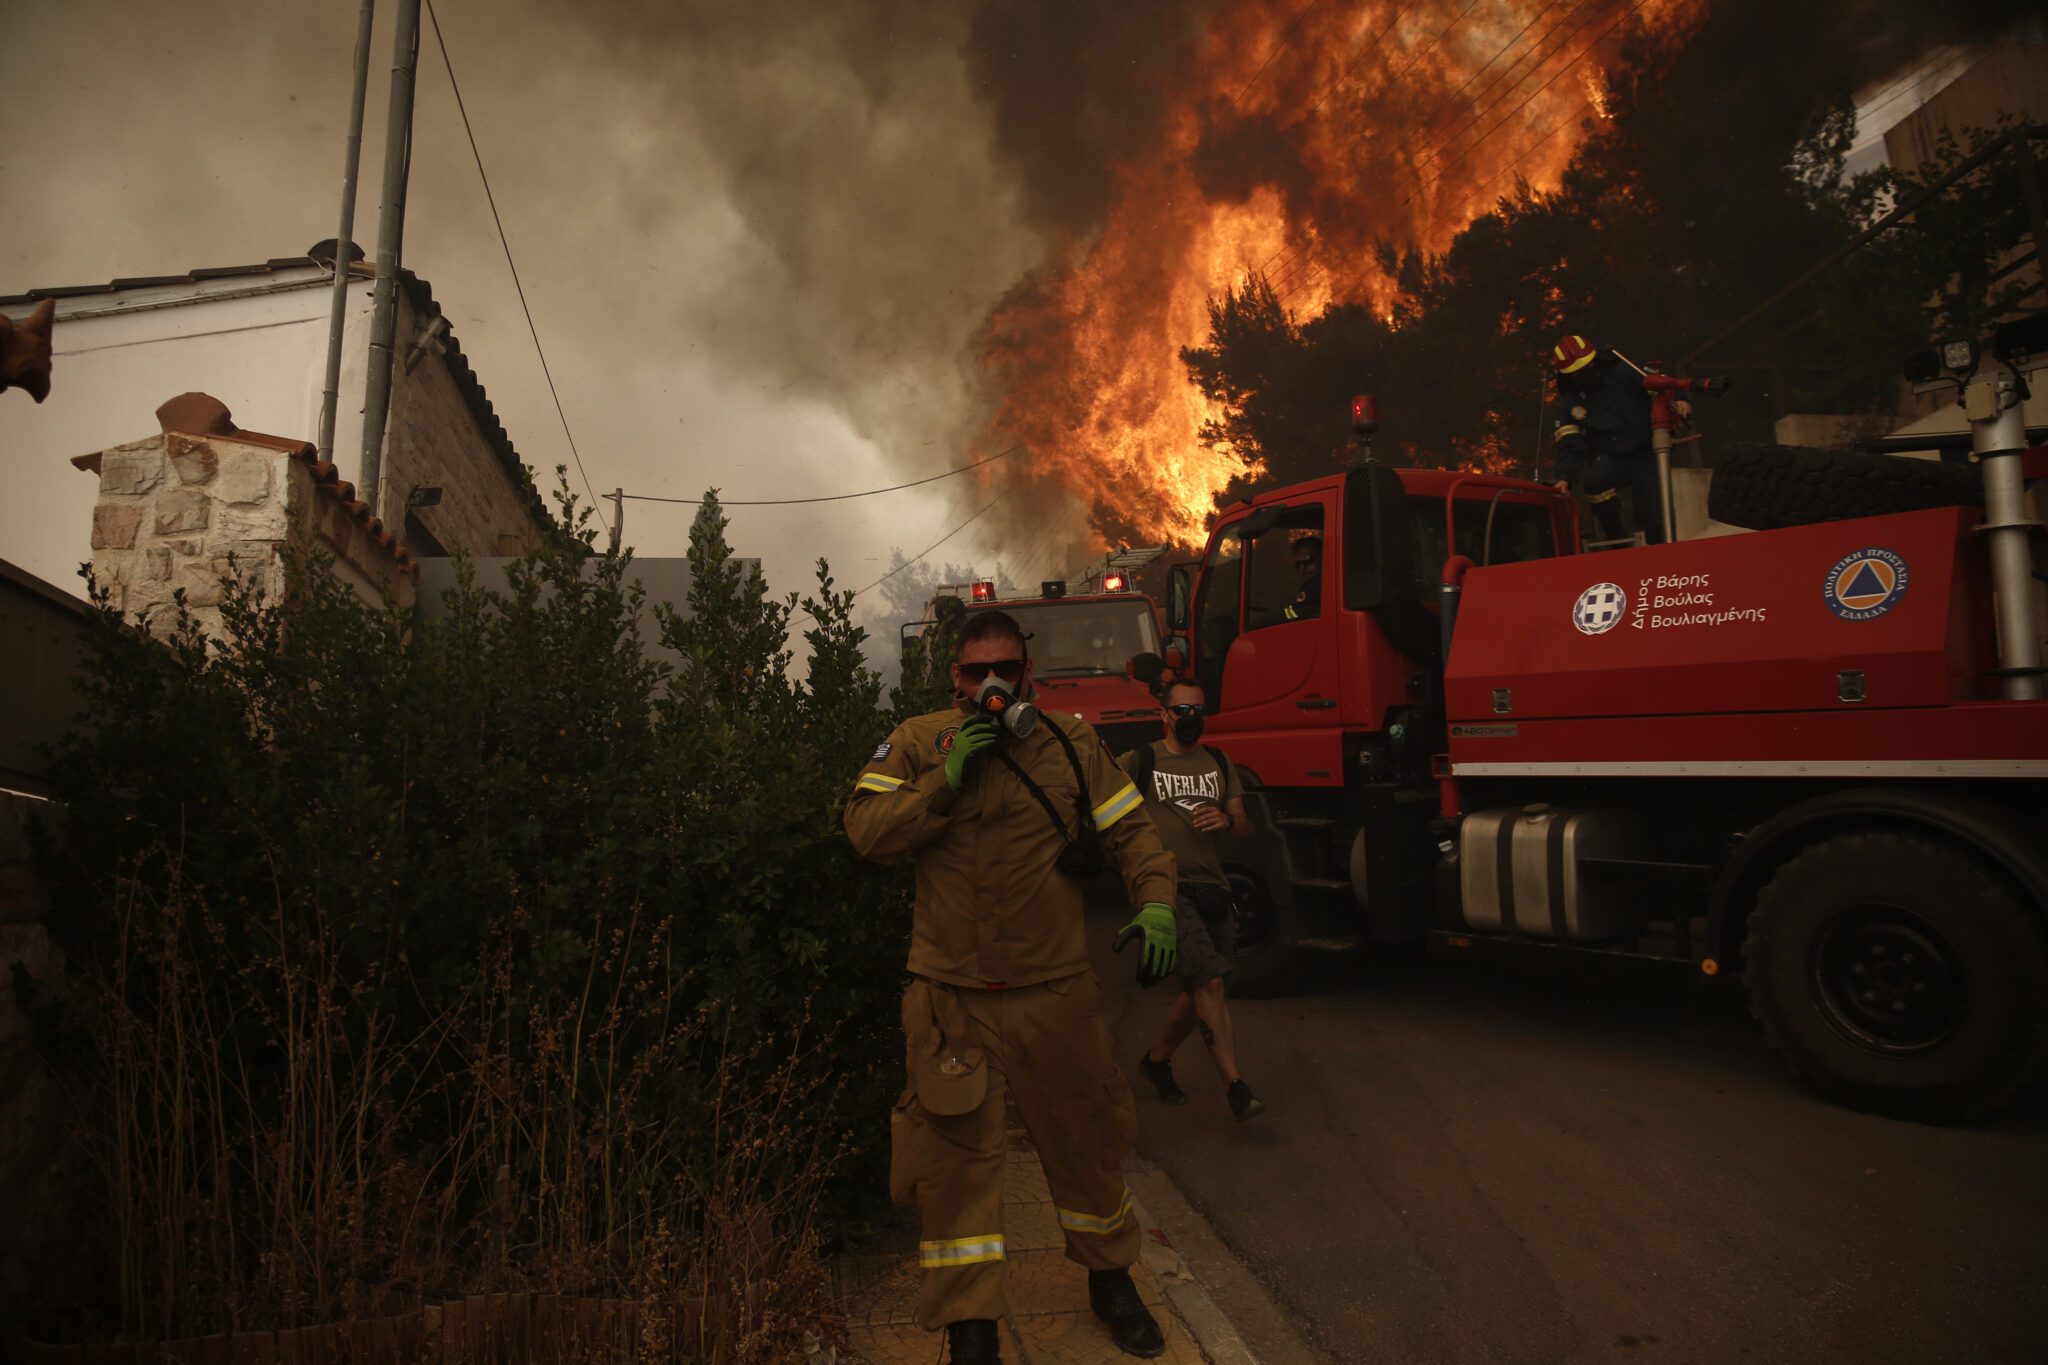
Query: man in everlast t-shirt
x=1194 y=798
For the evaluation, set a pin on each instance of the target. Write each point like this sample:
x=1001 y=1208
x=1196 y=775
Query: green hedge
x=567 y=922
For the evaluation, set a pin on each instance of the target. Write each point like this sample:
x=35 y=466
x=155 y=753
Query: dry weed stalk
x=291 y=1133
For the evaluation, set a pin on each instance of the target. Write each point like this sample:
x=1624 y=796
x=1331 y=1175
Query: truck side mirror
x=1179 y=593
x=1176 y=654
x=1379 y=539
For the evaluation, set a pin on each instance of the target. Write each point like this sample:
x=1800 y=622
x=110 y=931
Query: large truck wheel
x=1900 y=975
x=1263 y=957
x=1771 y=487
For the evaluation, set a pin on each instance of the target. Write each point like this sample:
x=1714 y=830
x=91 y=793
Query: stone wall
x=185 y=509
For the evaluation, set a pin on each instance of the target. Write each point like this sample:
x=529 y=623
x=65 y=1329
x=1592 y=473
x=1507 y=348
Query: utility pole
x=617 y=498
x=390 y=236
x=330 y=394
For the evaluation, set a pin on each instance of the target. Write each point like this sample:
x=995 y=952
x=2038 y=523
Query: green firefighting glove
x=1162 y=942
x=976 y=735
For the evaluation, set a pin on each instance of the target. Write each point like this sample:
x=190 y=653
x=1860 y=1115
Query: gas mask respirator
x=999 y=701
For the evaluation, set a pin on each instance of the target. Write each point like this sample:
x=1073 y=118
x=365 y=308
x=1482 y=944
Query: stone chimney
x=203 y=499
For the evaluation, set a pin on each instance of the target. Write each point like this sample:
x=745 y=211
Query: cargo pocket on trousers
x=907 y=1145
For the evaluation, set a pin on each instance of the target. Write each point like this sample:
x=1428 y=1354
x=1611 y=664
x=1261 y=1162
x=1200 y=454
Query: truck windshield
x=1086 y=635
x=1489 y=532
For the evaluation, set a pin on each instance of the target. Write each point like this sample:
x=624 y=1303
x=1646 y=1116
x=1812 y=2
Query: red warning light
x=985 y=591
x=1365 y=414
x=1113 y=582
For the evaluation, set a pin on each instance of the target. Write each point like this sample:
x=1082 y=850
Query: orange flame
x=1304 y=135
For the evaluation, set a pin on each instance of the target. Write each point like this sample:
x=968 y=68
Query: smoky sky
x=747 y=227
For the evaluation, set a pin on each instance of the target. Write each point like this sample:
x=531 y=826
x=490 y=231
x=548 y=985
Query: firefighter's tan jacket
x=991 y=907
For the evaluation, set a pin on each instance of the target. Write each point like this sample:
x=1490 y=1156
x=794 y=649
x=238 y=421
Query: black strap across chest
x=1080 y=780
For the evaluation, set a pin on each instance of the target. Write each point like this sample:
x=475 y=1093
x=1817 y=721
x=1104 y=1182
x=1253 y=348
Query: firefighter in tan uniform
x=1001 y=994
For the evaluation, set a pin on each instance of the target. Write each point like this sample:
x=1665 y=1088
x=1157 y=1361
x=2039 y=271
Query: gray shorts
x=1205 y=918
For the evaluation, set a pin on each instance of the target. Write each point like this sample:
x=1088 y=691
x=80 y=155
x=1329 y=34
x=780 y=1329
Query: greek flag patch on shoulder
x=881 y=752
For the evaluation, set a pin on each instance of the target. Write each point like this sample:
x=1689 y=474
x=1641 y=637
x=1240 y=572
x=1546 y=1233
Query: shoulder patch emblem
x=944 y=743
x=1579 y=413
x=881 y=752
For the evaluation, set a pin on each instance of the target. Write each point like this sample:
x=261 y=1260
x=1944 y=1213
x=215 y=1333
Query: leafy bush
x=481 y=952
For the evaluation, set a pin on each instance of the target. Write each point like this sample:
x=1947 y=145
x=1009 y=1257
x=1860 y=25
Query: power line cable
x=506 y=242
x=1292 y=266
x=1555 y=129
x=1325 y=96
x=1285 y=39
x=1481 y=108
x=835 y=497
x=1300 y=282
x=1583 y=52
x=935 y=544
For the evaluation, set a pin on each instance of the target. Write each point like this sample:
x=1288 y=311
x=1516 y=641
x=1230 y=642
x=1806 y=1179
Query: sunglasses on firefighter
x=1009 y=670
x=1187 y=708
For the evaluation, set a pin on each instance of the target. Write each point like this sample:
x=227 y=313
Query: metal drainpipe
x=390 y=236
x=1998 y=432
x=330 y=395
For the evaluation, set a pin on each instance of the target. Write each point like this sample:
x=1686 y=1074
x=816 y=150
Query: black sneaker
x=1161 y=1076
x=1131 y=1325
x=1243 y=1103
x=974 y=1342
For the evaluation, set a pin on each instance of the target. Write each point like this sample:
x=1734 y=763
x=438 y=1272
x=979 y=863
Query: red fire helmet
x=1572 y=353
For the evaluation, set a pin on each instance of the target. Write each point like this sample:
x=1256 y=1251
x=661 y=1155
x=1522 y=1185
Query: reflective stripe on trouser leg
x=1078 y=1111
x=960 y=1251
x=956 y=1164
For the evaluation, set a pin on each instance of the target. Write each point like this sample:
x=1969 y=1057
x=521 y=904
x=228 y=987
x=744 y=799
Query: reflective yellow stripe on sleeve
x=877 y=782
x=1566 y=430
x=963 y=1250
x=1088 y=1222
x=1117 y=807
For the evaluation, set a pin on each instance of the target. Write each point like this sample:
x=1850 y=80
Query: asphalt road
x=1516 y=1155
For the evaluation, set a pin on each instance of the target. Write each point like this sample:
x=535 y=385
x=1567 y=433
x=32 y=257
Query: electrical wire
x=835 y=497
x=506 y=242
x=935 y=544
x=1583 y=52
x=1285 y=39
x=1481 y=106
x=1292 y=267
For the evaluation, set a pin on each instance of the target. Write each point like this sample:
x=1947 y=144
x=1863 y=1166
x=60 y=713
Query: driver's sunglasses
x=1187 y=708
x=1009 y=670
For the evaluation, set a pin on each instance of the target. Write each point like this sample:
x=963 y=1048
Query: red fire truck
x=1081 y=643
x=1816 y=756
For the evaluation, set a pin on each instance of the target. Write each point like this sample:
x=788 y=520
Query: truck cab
x=1302 y=698
x=1082 y=644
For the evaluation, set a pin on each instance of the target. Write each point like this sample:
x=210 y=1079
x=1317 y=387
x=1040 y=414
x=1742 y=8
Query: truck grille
x=1124 y=735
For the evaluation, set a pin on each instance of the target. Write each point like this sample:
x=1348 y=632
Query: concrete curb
x=1173 y=1227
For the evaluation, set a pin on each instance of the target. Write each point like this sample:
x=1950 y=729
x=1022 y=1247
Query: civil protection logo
x=1600 y=609
x=1865 y=584
x=945 y=740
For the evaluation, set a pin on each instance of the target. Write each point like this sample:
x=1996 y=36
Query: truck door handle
x=1317 y=704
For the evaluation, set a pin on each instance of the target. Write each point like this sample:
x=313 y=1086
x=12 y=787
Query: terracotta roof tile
x=199 y=414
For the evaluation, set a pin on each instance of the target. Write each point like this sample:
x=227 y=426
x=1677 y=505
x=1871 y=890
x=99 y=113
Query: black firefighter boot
x=1131 y=1325
x=973 y=1341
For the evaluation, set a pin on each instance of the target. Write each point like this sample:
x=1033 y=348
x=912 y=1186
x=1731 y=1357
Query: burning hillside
x=1296 y=135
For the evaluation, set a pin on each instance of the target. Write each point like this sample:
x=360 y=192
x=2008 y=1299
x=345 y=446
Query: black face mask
x=1187 y=729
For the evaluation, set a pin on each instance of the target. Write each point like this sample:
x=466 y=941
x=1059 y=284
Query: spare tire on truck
x=1769 y=487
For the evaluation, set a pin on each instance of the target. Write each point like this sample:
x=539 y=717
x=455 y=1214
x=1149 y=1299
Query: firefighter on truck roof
x=1603 y=436
x=1005 y=809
